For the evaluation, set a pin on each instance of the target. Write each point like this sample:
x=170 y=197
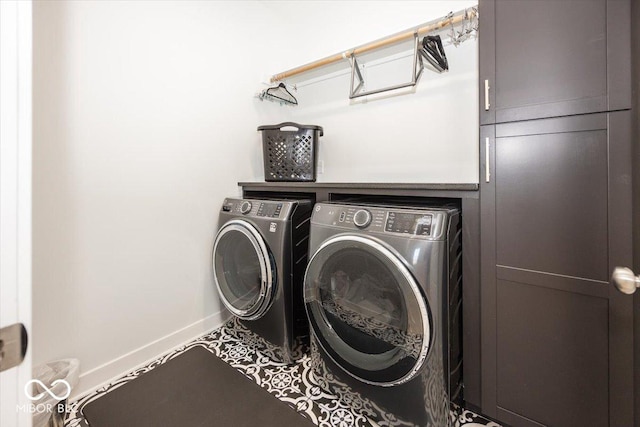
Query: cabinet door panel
x=487 y=61
x=552 y=355
x=555 y=221
x=549 y=62
x=551 y=203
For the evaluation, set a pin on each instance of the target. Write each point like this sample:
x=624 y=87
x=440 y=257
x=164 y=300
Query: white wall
x=427 y=136
x=144 y=120
x=143 y=116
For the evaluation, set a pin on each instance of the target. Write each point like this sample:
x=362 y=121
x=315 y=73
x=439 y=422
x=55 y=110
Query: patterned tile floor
x=294 y=384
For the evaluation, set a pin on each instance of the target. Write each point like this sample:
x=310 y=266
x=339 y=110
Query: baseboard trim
x=106 y=373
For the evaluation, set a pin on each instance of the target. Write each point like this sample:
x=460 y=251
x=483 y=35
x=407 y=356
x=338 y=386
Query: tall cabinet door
x=549 y=58
x=557 y=338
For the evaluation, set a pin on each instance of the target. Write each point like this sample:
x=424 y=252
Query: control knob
x=245 y=207
x=362 y=218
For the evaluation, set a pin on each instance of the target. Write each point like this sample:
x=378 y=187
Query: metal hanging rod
x=450 y=20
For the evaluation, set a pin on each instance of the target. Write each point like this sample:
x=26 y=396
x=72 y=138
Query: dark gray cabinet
x=557 y=338
x=550 y=58
x=556 y=211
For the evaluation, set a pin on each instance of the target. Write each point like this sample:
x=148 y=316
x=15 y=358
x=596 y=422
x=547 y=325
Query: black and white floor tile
x=295 y=384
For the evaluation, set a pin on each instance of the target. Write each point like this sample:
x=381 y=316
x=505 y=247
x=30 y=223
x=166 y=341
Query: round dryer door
x=367 y=311
x=243 y=270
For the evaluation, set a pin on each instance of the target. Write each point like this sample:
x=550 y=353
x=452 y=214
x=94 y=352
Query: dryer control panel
x=426 y=223
x=257 y=208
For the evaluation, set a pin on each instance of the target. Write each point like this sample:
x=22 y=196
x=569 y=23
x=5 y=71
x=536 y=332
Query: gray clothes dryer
x=383 y=297
x=259 y=257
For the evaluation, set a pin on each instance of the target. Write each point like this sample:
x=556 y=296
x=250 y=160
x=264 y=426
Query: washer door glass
x=367 y=310
x=242 y=270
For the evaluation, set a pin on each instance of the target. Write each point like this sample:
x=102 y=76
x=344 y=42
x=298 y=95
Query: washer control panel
x=256 y=208
x=409 y=223
x=351 y=216
x=426 y=223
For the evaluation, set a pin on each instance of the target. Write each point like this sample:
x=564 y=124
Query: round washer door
x=243 y=270
x=367 y=310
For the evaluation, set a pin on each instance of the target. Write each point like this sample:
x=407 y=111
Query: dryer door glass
x=367 y=310
x=242 y=269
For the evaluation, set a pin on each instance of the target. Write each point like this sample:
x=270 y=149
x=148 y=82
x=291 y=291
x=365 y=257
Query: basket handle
x=292 y=124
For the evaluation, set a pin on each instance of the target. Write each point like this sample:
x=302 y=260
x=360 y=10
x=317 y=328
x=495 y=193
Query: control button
x=226 y=208
x=245 y=208
x=343 y=214
x=423 y=230
x=362 y=218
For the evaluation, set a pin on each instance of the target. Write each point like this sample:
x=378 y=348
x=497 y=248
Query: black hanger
x=433 y=51
x=280 y=93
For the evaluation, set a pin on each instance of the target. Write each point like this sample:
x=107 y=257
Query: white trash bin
x=51 y=386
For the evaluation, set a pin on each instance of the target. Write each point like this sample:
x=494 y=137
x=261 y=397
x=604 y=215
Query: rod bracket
x=355 y=90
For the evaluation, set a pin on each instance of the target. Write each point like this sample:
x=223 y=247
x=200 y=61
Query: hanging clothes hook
x=279 y=93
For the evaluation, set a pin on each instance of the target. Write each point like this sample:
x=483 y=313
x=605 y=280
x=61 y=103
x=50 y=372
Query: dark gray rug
x=195 y=388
